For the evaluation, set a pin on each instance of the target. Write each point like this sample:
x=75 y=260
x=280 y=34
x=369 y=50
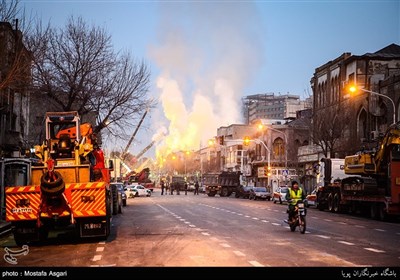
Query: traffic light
x=266 y=171
x=246 y=140
x=221 y=140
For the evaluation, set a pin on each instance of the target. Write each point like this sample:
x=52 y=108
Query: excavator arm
x=370 y=163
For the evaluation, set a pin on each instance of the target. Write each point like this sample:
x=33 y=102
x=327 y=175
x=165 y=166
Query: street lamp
x=355 y=88
x=261 y=126
x=246 y=142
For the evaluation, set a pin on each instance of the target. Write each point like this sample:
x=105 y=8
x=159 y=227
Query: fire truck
x=370 y=180
x=66 y=184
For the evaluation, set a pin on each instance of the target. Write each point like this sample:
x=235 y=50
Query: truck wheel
x=374 y=211
x=382 y=215
x=330 y=202
x=336 y=203
x=224 y=192
x=114 y=199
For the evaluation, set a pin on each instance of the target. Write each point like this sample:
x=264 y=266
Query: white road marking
x=275 y=224
x=264 y=221
x=192 y=225
x=374 y=250
x=225 y=245
x=247 y=216
x=239 y=254
x=323 y=236
x=102 y=242
x=255 y=263
x=96 y=258
x=99 y=249
x=255 y=218
x=345 y=242
x=205 y=233
x=327 y=220
x=379 y=229
x=342 y=223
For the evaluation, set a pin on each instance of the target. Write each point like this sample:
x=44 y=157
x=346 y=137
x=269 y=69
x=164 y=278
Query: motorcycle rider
x=294 y=194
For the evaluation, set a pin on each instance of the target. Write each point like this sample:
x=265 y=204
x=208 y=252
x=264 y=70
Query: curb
x=5 y=228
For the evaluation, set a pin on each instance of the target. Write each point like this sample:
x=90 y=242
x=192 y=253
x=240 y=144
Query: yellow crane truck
x=67 y=186
x=370 y=182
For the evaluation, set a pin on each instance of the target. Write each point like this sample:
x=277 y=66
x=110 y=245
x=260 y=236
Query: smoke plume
x=207 y=52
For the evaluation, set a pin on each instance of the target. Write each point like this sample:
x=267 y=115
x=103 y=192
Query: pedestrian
x=196 y=188
x=162 y=187
x=186 y=188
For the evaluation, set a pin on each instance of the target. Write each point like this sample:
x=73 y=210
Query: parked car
x=311 y=199
x=280 y=194
x=137 y=190
x=242 y=191
x=259 y=193
x=122 y=192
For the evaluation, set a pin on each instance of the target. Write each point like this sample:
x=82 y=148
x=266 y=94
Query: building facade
x=15 y=85
x=272 y=107
x=365 y=115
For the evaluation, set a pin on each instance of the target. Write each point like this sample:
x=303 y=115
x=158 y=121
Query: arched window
x=278 y=149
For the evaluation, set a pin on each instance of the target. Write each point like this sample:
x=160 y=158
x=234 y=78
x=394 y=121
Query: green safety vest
x=295 y=197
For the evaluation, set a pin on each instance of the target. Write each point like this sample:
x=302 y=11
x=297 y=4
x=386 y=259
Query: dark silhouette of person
x=162 y=187
x=196 y=188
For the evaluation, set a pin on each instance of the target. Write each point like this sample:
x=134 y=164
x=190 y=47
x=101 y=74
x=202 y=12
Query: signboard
x=261 y=172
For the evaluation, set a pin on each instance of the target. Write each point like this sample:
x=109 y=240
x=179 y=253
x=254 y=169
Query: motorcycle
x=299 y=217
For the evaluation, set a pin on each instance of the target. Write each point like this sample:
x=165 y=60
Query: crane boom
x=133 y=135
x=139 y=155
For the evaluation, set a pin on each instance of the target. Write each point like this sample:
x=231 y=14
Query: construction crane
x=123 y=156
x=158 y=138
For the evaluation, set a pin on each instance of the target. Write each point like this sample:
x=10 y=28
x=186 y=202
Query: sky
x=204 y=56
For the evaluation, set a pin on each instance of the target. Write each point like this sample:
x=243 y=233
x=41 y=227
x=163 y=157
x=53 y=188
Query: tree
x=77 y=69
x=8 y=10
x=15 y=71
x=329 y=128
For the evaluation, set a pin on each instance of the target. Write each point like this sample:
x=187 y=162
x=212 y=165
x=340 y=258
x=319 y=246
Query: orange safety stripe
x=73 y=192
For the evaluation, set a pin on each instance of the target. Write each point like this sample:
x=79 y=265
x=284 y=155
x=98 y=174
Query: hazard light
x=87 y=198
x=22 y=202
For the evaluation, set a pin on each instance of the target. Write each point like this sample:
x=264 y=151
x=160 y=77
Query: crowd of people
x=168 y=188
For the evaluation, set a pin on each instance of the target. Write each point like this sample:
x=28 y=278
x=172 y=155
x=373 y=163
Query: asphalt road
x=202 y=231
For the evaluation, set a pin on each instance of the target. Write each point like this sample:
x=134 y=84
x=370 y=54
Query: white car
x=137 y=190
x=280 y=194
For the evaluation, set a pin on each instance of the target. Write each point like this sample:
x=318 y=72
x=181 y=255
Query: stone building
x=359 y=118
x=15 y=85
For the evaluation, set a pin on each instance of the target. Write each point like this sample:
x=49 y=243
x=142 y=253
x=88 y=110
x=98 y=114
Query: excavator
x=371 y=180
